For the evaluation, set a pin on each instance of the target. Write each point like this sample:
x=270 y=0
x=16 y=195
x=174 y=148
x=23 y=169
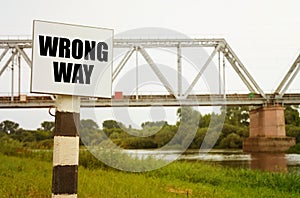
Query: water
x=231 y=158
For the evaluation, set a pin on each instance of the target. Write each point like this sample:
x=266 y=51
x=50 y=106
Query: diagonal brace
x=4 y=53
x=156 y=70
x=289 y=73
x=290 y=81
x=238 y=67
x=238 y=71
x=7 y=63
x=188 y=91
x=122 y=63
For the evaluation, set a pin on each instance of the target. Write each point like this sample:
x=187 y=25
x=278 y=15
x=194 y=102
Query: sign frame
x=70 y=59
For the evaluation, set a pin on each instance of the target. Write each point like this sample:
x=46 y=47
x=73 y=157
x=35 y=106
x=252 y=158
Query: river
x=232 y=158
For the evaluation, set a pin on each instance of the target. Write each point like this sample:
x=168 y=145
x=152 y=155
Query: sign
x=71 y=60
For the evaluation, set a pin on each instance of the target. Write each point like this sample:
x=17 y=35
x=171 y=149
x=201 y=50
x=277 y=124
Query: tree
x=47 y=126
x=291 y=116
x=198 y=139
x=189 y=122
x=152 y=124
x=293 y=131
x=237 y=115
x=110 y=124
x=231 y=141
x=204 y=121
x=164 y=135
x=88 y=124
x=188 y=115
x=9 y=127
x=90 y=133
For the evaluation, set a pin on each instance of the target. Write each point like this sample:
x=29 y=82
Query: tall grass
x=27 y=173
x=237 y=180
x=28 y=177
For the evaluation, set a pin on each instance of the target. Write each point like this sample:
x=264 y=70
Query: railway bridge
x=267 y=124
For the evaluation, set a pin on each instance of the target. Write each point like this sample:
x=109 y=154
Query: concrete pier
x=267 y=131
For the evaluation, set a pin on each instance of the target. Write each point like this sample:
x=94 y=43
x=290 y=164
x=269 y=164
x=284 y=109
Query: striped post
x=66 y=147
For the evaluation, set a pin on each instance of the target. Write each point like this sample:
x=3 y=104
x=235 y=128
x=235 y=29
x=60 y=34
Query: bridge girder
x=220 y=45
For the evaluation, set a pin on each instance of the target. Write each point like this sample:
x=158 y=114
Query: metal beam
x=188 y=91
x=233 y=59
x=137 y=74
x=3 y=53
x=288 y=74
x=24 y=55
x=10 y=43
x=20 y=45
x=122 y=63
x=224 y=77
x=7 y=63
x=237 y=70
x=282 y=92
x=156 y=70
x=153 y=43
x=179 y=70
x=219 y=74
x=152 y=100
x=19 y=69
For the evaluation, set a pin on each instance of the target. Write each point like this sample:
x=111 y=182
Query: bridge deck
x=153 y=100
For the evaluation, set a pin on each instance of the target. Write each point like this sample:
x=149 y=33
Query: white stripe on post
x=67 y=103
x=65 y=150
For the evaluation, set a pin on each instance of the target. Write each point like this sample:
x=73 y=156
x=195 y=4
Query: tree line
x=223 y=130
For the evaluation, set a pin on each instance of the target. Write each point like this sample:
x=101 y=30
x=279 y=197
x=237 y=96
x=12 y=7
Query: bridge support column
x=267 y=131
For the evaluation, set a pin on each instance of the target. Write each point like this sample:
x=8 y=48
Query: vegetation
x=25 y=164
x=295 y=149
x=191 y=130
x=32 y=178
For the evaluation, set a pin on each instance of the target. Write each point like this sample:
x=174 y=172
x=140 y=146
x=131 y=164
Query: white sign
x=71 y=60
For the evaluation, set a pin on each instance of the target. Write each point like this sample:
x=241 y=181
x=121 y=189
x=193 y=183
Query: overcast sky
x=264 y=34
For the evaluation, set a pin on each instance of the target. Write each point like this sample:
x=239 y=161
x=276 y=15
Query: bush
x=294 y=149
x=293 y=131
x=231 y=141
x=9 y=146
x=138 y=143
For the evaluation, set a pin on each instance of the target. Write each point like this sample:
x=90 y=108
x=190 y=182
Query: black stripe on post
x=66 y=124
x=65 y=179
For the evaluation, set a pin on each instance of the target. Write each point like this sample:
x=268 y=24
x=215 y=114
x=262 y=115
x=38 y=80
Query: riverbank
x=30 y=177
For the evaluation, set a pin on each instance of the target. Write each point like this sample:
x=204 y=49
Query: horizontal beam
x=151 y=43
x=24 y=43
x=146 y=100
x=127 y=43
x=159 y=100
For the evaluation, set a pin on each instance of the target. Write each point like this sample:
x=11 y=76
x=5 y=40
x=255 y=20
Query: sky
x=263 y=34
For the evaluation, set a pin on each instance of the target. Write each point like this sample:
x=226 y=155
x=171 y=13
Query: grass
x=23 y=177
x=30 y=177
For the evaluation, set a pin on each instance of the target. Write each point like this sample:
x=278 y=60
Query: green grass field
x=29 y=177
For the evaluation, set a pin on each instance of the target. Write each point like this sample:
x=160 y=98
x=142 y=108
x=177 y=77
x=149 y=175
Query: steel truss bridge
x=257 y=97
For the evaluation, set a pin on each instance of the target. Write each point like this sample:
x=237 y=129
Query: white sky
x=263 y=34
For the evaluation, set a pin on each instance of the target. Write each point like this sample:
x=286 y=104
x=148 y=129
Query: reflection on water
x=275 y=162
x=232 y=158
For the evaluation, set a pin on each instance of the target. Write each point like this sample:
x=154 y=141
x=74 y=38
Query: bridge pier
x=267 y=131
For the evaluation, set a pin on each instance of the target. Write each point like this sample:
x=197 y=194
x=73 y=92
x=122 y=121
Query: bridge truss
x=19 y=50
